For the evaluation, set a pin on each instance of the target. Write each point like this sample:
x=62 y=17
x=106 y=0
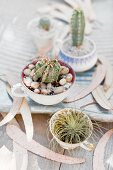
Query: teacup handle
x=87 y=146
x=17 y=94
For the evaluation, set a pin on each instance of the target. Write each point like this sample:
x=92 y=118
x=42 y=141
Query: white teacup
x=44 y=40
x=84 y=144
x=21 y=90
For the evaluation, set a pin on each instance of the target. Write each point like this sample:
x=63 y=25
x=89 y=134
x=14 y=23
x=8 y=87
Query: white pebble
x=32 y=73
x=69 y=77
x=34 y=85
x=67 y=85
x=37 y=91
x=49 y=86
x=44 y=91
x=62 y=82
x=31 y=66
x=27 y=72
x=64 y=70
x=43 y=85
x=28 y=81
x=59 y=89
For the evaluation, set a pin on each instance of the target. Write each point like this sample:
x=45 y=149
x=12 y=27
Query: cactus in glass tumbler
x=44 y=23
x=77 y=27
x=47 y=71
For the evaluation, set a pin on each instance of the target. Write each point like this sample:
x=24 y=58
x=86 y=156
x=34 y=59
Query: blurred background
x=16 y=47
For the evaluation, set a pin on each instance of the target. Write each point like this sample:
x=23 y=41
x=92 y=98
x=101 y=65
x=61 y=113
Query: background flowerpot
x=60 y=122
x=81 y=59
x=44 y=40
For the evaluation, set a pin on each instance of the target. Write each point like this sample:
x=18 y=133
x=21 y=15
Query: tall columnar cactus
x=47 y=70
x=44 y=23
x=77 y=27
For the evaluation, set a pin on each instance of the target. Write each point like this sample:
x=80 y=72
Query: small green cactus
x=47 y=71
x=44 y=23
x=77 y=27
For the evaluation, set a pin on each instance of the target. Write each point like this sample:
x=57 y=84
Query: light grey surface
x=16 y=49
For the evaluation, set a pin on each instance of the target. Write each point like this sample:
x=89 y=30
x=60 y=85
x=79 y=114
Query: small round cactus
x=47 y=70
x=77 y=27
x=47 y=76
x=45 y=23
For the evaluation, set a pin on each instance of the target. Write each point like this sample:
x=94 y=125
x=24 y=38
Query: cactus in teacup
x=47 y=71
x=44 y=23
x=77 y=27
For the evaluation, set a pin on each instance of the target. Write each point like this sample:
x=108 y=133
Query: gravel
x=73 y=51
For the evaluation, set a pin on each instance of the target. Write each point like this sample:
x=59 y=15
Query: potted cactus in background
x=44 y=23
x=78 y=51
x=43 y=33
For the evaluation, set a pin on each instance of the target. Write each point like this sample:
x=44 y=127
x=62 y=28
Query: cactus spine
x=44 y=23
x=47 y=71
x=77 y=27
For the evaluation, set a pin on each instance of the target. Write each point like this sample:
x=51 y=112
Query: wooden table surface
x=11 y=8
x=40 y=135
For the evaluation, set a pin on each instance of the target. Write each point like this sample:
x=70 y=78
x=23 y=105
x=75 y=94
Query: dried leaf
x=88 y=8
x=21 y=154
x=98 y=158
x=19 y=137
x=27 y=118
x=110 y=160
x=46 y=9
x=7 y=159
x=101 y=99
x=13 y=111
x=26 y=115
x=62 y=8
x=19 y=105
x=109 y=92
x=16 y=101
x=24 y=109
x=59 y=15
x=71 y=3
x=98 y=78
x=108 y=78
x=99 y=94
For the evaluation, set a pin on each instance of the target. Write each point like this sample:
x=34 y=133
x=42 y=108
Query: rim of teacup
x=51 y=126
x=63 y=64
x=80 y=57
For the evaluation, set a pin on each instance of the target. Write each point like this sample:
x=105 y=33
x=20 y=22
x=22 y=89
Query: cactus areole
x=47 y=70
x=77 y=27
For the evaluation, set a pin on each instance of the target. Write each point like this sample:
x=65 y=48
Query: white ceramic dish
x=40 y=98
